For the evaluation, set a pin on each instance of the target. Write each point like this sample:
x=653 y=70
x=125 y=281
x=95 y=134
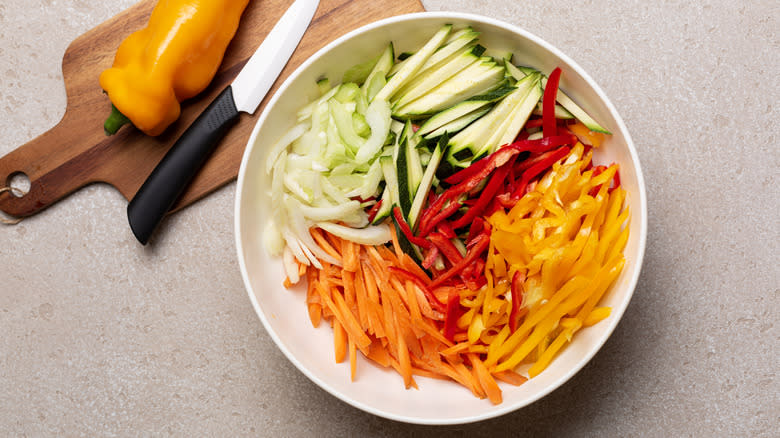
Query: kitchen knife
x=185 y=158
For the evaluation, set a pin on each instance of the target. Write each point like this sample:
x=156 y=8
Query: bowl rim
x=617 y=313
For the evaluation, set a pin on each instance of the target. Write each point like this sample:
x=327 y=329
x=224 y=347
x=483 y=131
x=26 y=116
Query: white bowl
x=283 y=312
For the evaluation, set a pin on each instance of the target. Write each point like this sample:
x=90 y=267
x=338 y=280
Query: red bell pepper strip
x=446 y=247
x=532 y=172
x=477 y=227
x=533 y=123
x=361 y=200
x=452 y=314
x=549 y=125
x=374 y=210
x=445 y=229
x=471 y=176
x=428 y=223
x=490 y=190
x=596 y=171
x=434 y=206
x=473 y=272
x=407 y=230
x=527 y=164
x=467 y=180
x=523 y=135
x=467 y=172
x=435 y=303
x=430 y=257
x=517 y=300
x=480 y=245
x=616 y=181
x=545 y=144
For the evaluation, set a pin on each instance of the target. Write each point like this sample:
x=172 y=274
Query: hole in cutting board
x=19 y=183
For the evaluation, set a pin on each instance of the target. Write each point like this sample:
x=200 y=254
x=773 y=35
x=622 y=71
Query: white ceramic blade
x=262 y=69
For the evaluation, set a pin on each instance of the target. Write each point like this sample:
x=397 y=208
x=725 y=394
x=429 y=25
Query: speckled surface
x=103 y=337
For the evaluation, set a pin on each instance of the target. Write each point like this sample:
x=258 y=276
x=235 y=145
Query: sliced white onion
x=309 y=253
x=333 y=213
x=290 y=267
x=295 y=246
x=291 y=182
x=370 y=235
x=281 y=144
x=301 y=229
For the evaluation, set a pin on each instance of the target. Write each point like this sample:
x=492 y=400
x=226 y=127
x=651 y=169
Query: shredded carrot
x=352 y=359
x=510 y=377
x=485 y=379
x=566 y=234
x=339 y=341
x=324 y=243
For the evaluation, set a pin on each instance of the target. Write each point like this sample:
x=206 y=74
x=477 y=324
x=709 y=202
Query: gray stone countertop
x=102 y=337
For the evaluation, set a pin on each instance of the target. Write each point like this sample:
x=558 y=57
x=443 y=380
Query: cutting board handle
x=53 y=173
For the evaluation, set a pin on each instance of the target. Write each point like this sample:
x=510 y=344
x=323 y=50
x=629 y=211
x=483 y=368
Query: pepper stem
x=114 y=121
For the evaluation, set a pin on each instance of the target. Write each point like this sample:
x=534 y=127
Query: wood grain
x=76 y=152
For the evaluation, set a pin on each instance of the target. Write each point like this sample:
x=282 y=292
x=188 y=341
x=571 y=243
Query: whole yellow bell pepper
x=173 y=58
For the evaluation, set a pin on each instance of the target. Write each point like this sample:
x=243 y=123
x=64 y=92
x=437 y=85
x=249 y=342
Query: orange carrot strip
x=485 y=379
x=324 y=244
x=350 y=324
x=361 y=297
x=412 y=338
x=396 y=245
x=446 y=370
x=428 y=373
x=397 y=367
x=335 y=241
x=313 y=300
x=414 y=268
x=425 y=306
x=469 y=378
x=387 y=322
x=510 y=377
x=369 y=278
x=430 y=347
x=404 y=361
x=315 y=314
x=349 y=290
x=456 y=349
x=378 y=353
x=350 y=259
x=339 y=341
x=387 y=256
x=414 y=307
x=352 y=359
x=374 y=312
x=342 y=315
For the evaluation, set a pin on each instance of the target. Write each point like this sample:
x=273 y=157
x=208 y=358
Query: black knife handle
x=185 y=158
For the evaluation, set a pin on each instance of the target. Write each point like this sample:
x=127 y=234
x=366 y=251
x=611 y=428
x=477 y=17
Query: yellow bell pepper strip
x=557 y=235
x=173 y=58
x=585 y=135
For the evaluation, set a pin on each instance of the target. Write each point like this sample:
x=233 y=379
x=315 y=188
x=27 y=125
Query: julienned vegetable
x=173 y=58
x=504 y=235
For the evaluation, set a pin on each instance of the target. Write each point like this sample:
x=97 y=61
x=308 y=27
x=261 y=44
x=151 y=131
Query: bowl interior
x=283 y=312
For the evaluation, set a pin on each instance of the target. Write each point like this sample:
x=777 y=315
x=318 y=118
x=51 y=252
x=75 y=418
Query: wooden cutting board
x=76 y=152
